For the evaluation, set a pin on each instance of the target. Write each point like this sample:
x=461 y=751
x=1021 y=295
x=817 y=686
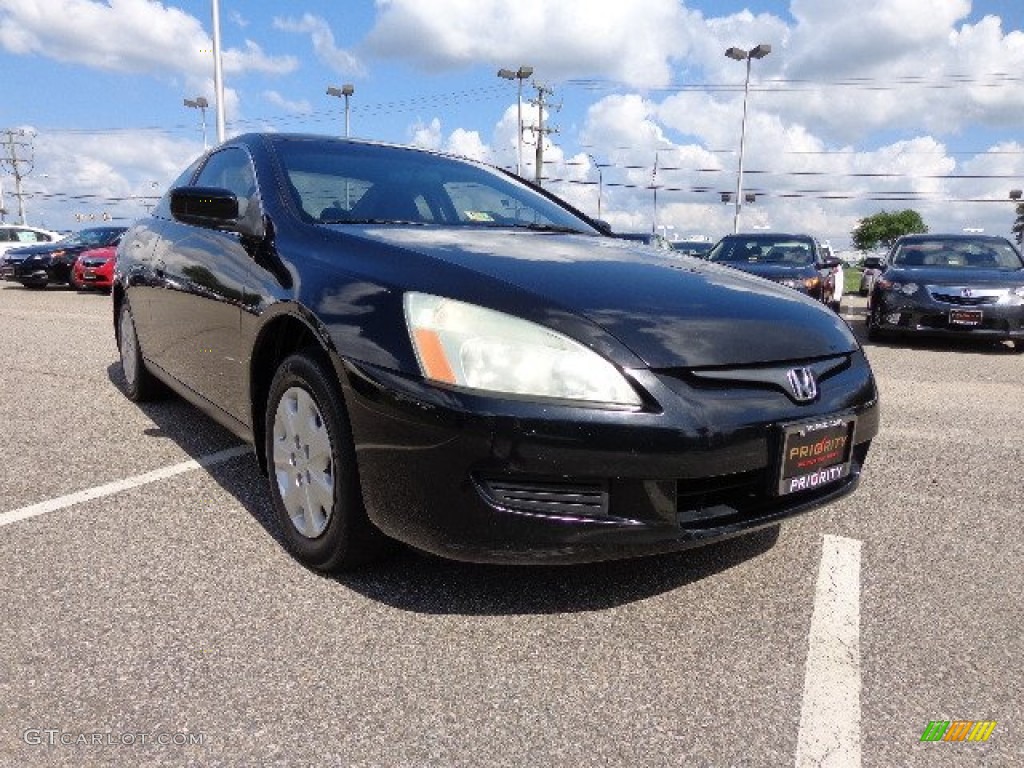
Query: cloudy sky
x=860 y=107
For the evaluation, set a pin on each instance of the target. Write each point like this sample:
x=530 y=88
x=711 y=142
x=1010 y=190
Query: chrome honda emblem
x=966 y=293
x=802 y=384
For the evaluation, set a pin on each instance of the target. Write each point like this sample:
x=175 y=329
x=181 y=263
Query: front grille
x=93 y=262
x=568 y=498
x=963 y=296
x=965 y=301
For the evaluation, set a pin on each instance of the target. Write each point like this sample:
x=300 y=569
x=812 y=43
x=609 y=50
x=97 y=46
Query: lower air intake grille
x=556 y=498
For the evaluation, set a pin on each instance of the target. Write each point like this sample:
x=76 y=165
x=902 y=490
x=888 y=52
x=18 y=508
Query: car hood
x=1000 y=278
x=772 y=271
x=669 y=310
x=42 y=249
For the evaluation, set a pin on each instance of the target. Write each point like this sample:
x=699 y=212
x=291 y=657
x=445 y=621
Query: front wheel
x=314 y=481
x=874 y=332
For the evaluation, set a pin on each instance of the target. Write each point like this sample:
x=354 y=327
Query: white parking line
x=117 y=486
x=830 y=712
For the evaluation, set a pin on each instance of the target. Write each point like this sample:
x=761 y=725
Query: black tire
x=316 y=460
x=874 y=332
x=35 y=286
x=139 y=383
x=73 y=284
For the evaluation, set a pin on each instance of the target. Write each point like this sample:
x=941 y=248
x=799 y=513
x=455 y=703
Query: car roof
x=957 y=236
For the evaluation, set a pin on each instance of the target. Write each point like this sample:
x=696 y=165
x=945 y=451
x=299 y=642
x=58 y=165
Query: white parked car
x=17 y=235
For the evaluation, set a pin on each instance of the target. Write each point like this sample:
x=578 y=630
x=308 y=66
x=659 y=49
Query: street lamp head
x=508 y=74
x=197 y=103
x=758 y=52
x=524 y=72
x=1015 y=194
x=347 y=89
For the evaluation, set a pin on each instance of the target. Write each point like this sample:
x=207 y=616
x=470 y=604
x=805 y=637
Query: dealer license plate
x=965 y=317
x=815 y=453
x=89 y=274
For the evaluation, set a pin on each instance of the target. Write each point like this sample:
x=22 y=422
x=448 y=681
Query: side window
x=5 y=235
x=229 y=169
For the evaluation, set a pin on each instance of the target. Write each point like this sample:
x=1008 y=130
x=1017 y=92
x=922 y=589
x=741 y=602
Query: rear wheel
x=314 y=481
x=139 y=382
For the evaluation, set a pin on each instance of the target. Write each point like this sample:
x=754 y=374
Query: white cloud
x=633 y=42
x=301 y=107
x=93 y=174
x=426 y=135
x=467 y=144
x=341 y=61
x=142 y=36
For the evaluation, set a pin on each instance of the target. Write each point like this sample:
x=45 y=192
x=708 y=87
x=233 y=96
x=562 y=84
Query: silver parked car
x=873 y=266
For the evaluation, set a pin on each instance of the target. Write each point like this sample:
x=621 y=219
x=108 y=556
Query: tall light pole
x=201 y=104
x=218 y=73
x=344 y=92
x=758 y=52
x=520 y=74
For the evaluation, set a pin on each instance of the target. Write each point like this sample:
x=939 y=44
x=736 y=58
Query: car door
x=201 y=275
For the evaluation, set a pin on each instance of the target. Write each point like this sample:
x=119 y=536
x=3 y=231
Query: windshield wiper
x=549 y=228
x=372 y=221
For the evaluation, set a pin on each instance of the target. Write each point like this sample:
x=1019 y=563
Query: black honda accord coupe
x=428 y=349
x=963 y=285
x=796 y=261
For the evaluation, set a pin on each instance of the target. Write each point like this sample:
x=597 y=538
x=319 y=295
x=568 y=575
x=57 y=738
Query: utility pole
x=20 y=167
x=539 y=130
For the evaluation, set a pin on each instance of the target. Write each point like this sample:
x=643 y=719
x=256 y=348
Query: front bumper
x=95 y=276
x=22 y=272
x=898 y=314
x=513 y=481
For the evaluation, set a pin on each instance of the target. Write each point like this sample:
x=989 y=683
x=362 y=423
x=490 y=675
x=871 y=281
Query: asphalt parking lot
x=151 y=616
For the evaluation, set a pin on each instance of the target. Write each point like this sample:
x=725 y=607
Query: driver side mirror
x=212 y=208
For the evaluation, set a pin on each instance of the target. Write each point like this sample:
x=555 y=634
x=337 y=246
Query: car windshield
x=962 y=253
x=341 y=183
x=93 y=237
x=791 y=251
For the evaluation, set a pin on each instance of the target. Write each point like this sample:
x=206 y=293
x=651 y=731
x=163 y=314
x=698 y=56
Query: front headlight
x=811 y=283
x=907 y=289
x=469 y=346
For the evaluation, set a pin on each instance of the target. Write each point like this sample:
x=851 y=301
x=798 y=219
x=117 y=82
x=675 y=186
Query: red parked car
x=94 y=268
